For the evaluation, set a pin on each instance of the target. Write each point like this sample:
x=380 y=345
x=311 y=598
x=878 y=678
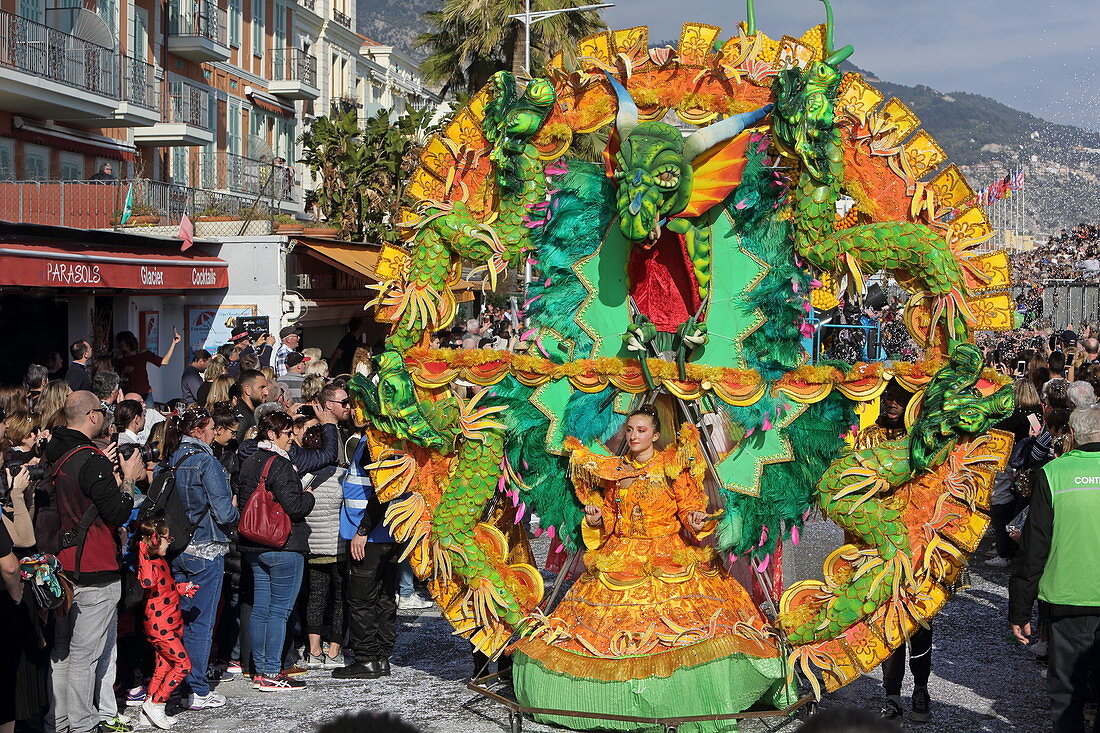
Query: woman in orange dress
x=655 y=627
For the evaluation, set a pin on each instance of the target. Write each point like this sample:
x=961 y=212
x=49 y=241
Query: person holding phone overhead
x=132 y=362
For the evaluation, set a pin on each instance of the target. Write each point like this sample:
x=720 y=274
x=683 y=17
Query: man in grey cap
x=291 y=337
x=295 y=374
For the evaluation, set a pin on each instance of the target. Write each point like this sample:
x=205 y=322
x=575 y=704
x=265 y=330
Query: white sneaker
x=152 y=713
x=201 y=702
x=413 y=602
x=998 y=562
x=313 y=662
x=328 y=662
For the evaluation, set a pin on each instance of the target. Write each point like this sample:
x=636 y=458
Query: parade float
x=678 y=270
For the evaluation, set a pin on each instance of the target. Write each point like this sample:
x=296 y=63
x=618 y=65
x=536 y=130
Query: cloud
x=1038 y=57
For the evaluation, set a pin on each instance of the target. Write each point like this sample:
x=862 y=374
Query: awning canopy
x=363 y=259
x=64 y=264
x=358 y=259
x=269 y=102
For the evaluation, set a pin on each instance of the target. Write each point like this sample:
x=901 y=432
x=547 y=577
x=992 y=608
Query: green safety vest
x=1072 y=573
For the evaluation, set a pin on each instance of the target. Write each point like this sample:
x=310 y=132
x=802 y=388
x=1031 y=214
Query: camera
x=37 y=473
x=149 y=453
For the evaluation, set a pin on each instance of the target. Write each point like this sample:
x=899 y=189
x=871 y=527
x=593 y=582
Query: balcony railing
x=139 y=83
x=43 y=51
x=187 y=104
x=341 y=18
x=311 y=4
x=294 y=64
x=198 y=18
x=243 y=175
x=99 y=204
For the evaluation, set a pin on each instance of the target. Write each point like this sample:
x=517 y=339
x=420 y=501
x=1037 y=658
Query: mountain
x=987 y=139
x=394 y=22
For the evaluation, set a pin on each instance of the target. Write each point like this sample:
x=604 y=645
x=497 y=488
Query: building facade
x=163 y=108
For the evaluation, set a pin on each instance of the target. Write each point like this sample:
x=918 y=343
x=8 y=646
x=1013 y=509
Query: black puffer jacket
x=284 y=483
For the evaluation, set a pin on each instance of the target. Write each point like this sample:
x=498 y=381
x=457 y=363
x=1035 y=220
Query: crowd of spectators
x=1071 y=255
x=155 y=611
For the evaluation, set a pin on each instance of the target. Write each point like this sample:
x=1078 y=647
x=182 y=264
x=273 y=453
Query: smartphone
x=1021 y=366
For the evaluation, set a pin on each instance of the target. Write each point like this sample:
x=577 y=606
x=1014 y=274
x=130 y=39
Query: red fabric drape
x=662 y=282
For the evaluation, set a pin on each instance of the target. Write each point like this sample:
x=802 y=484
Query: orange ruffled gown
x=653 y=598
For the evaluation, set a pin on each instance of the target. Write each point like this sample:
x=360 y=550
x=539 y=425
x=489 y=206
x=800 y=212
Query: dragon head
x=804 y=101
x=653 y=165
x=952 y=409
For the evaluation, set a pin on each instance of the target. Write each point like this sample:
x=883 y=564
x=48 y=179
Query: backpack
x=163 y=500
x=47 y=519
x=264 y=521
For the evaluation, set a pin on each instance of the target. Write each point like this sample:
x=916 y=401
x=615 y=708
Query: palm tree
x=472 y=39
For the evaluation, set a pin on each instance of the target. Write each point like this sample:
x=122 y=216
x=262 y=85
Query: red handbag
x=264 y=521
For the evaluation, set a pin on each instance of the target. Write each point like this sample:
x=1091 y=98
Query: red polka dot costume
x=163 y=623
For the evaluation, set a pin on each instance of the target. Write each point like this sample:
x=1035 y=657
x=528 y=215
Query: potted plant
x=143 y=215
x=215 y=213
x=317 y=228
x=287 y=224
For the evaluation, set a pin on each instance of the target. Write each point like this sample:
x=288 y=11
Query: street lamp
x=529 y=18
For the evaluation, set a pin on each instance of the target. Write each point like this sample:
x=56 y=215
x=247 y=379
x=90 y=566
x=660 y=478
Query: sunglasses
x=345 y=402
x=102 y=410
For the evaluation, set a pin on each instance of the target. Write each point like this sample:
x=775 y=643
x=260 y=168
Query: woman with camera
x=203 y=488
x=27 y=659
x=276 y=570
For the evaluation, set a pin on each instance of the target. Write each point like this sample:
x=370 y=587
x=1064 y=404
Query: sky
x=1041 y=57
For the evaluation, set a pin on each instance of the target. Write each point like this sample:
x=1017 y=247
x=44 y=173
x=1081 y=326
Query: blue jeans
x=277 y=576
x=406 y=580
x=199 y=612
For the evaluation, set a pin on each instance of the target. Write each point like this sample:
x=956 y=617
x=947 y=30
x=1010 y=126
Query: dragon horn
x=626 y=119
x=703 y=140
x=833 y=58
x=750 y=18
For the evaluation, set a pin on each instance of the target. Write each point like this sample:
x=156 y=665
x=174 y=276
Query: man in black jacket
x=192 y=376
x=92 y=502
x=253 y=386
x=78 y=375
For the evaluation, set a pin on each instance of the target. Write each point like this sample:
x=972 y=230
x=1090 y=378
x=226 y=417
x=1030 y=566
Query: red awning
x=62 y=265
x=269 y=102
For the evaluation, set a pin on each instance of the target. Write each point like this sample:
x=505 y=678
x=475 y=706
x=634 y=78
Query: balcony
x=293 y=74
x=184 y=118
x=263 y=179
x=341 y=18
x=197 y=30
x=52 y=75
x=308 y=4
x=99 y=205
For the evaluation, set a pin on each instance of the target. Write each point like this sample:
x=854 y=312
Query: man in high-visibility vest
x=1059 y=561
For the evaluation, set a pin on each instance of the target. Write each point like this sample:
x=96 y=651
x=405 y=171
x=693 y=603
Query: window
x=7 y=159
x=280 y=25
x=236 y=20
x=233 y=127
x=36 y=163
x=179 y=166
x=284 y=143
x=258 y=21
x=108 y=10
x=139 y=43
x=32 y=10
x=72 y=166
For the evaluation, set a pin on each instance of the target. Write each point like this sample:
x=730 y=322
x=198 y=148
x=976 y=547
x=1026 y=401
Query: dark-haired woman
x=202 y=485
x=276 y=571
x=655 y=610
x=133 y=362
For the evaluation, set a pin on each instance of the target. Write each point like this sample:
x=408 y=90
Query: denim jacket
x=201 y=481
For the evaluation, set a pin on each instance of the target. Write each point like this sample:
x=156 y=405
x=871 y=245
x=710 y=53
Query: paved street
x=981 y=681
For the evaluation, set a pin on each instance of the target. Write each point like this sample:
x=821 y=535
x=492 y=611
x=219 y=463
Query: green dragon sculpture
x=805 y=128
x=718 y=201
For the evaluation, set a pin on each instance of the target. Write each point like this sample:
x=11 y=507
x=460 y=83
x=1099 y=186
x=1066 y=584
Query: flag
x=128 y=207
x=186 y=233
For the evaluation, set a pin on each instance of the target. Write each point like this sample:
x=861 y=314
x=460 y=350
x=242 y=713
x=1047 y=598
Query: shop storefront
x=58 y=285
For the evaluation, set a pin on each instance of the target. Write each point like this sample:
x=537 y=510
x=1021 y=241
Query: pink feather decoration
x=766 y=424
x=763 y=564
x=796 y=536
x=550 y=531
